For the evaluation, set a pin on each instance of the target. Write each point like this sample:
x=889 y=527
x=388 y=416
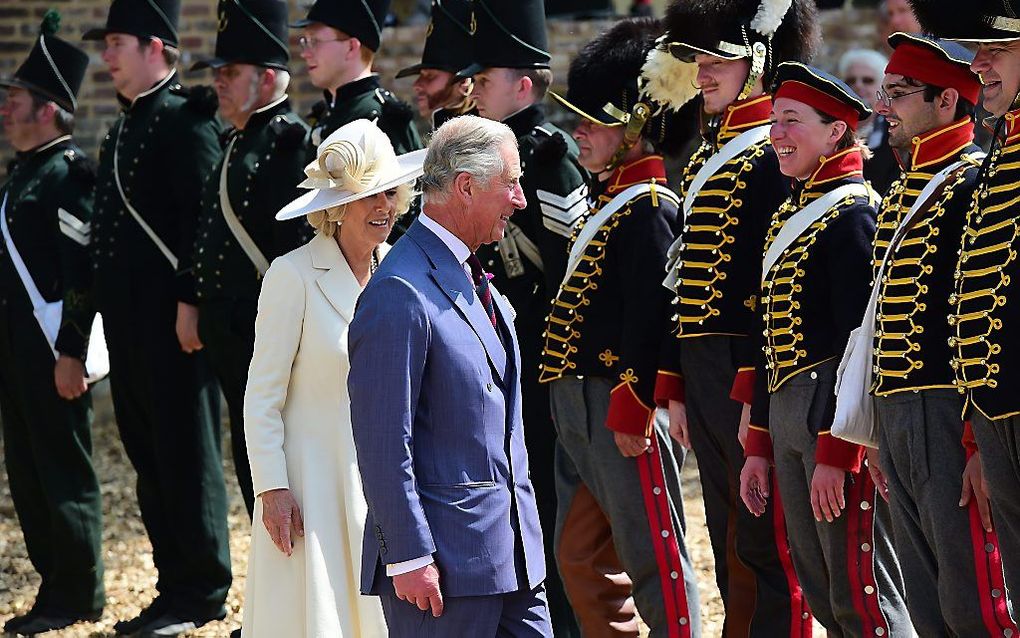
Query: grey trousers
x=752 y=557
x=951 y=567
x=847 y=568
x=999 y=444
x=639 y=499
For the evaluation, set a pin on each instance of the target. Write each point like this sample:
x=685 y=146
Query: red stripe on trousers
x=667 y=548
x=988 y=570
x=801 y=624
x=860 y=530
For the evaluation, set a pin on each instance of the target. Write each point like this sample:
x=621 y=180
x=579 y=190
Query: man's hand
x=632 y=444
x=421 y=587
x=754 y=484
x=187 y=327
x=281 y=515
x=69 y=377
x=877 y=475
x=745 y=422
x=974 y=487
x=678 y=423
x=827 y=492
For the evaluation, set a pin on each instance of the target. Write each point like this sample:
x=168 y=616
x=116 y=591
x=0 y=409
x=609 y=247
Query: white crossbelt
x=234 y=224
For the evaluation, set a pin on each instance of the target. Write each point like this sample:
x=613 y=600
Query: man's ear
x=463 y=185
x=354 y=53
x=949 y=99
x=267 y=79
x=524 y=87
x=46 y=113
x=155 y=49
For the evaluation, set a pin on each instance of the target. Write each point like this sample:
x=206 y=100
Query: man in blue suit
x=436 y=409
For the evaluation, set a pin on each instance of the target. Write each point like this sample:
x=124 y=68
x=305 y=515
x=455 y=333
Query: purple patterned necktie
x=481 y=281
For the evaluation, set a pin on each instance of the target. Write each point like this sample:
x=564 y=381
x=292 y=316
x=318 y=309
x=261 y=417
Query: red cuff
x=627 y=413
x=839 y=453
x=743 y=386
x=669 y=386
x=759 y=442
x=969 y=442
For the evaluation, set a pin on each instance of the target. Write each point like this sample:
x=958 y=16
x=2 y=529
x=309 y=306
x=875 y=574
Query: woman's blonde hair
x=327 y=222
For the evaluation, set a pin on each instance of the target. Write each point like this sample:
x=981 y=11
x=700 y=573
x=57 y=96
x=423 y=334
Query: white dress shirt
x=461 y=253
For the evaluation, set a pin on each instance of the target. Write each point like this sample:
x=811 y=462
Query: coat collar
x=742 y=116
x=352 y=90
x=1012 y=131
x=940 y=145
x=337 y=283
x=149 y=94
x=522 y=122
x=56 y=144
x=842 y=165
x=649 y=168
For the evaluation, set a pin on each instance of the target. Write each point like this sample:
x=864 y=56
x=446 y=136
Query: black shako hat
x=361 y=19
x=448 y=39
x=605 y=85
x=54 y=68
x=822 y=91
x=980 y=21
x=509 y=34
x=141 y=18
x=250 y=32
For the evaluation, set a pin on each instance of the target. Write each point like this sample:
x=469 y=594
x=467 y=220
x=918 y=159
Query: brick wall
x=19 y=20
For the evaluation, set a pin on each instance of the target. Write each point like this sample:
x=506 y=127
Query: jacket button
x=814 y=375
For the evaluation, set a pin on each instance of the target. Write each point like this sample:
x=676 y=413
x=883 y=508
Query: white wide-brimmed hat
x=355 y=162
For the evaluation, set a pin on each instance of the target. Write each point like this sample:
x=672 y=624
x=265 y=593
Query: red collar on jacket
x=842 y=165
x=935 y=147
x=1012 y=127
x=649 y=168
x=743 y=115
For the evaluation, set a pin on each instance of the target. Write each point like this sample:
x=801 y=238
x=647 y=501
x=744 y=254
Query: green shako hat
x=448 y=39
x=509 y=34
x=250 y=32
x=141 y=18
x=361 y=19
x=54 y=68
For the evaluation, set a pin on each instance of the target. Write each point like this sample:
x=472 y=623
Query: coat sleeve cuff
x=743 y=386
x=838 y=453
x=185 y=288
x=968 y=440
x=758 y=443
x=627 y=413
x=669 y=386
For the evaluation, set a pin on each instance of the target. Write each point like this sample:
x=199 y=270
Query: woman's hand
x=827 y=492
x=281 y=515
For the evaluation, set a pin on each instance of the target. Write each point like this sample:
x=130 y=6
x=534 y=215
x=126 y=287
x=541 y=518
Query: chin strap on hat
x=636 y=120
x=760 y=53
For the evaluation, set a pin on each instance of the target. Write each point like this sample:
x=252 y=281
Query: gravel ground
x=130 y=575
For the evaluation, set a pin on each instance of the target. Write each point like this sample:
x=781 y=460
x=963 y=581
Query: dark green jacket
x=365 y=99
x=48 y=214
x=167 y=144
x=556 y=191
x=265 y=165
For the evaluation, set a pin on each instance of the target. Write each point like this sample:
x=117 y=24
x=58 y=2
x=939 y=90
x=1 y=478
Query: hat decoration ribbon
x=344 y=165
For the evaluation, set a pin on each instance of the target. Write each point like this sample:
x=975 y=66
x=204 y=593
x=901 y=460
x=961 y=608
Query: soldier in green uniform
x=511 y=74
x=152 y=166
x=439 y=94
x=339 y=44
x=45 y=208
x=238 y=235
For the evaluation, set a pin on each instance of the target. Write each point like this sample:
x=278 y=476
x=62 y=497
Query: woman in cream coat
x=305 y=557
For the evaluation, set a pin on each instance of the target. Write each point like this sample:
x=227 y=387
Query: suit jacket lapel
x=506 y=317
x=338 y=284
x=453 y=281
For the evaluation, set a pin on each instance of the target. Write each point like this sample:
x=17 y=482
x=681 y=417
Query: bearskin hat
x=604 y=84
x=982 y=21
x=726 y=28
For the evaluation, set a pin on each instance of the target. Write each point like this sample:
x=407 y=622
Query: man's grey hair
x=280 y=83
x=465 y=144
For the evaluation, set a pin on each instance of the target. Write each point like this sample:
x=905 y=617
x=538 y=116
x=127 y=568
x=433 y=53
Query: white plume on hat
x=667 y=80
x=769 y=16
